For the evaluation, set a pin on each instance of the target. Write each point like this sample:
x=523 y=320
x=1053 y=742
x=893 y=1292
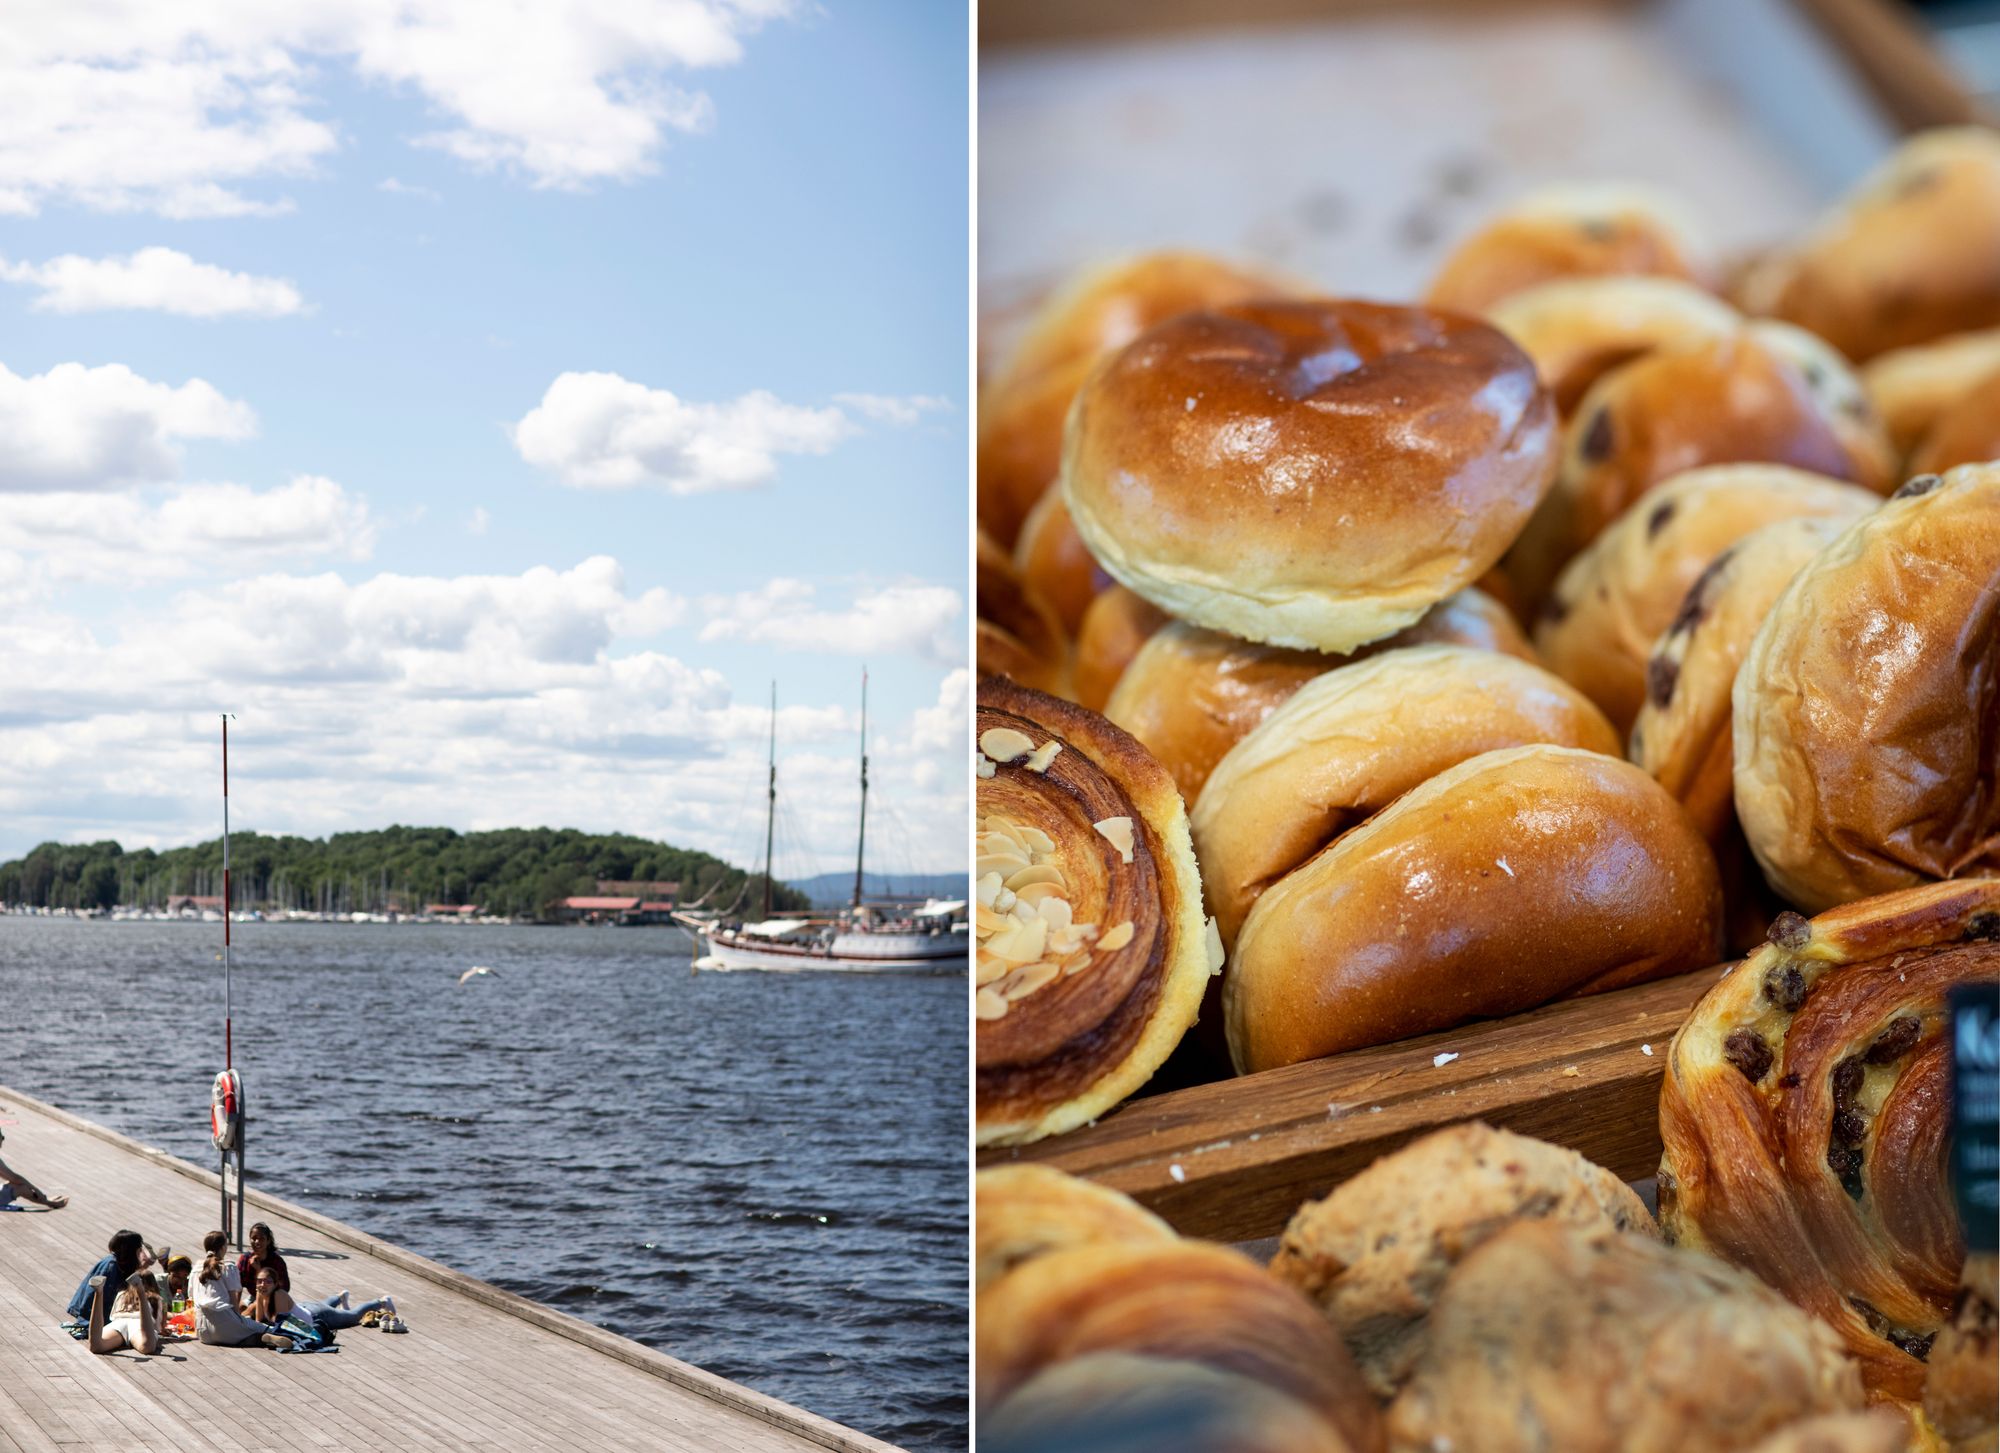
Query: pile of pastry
x=1350 y=671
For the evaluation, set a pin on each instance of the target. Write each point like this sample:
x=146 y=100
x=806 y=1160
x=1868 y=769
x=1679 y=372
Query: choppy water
x=761 y=1174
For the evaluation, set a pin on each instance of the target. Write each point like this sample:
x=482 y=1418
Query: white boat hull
x=877 y=953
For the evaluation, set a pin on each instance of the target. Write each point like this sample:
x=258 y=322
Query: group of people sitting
x=243 y=1301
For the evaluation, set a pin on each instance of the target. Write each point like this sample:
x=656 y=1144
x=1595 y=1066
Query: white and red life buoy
x=225 y=1110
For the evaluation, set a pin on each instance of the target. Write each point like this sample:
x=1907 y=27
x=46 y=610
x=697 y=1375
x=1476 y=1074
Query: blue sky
x=485 y=402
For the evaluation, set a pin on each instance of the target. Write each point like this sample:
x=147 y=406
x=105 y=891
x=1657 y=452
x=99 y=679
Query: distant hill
x=830 y=890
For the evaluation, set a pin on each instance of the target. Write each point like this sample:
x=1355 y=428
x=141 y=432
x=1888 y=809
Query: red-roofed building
x=599 y=910
x=450 y=910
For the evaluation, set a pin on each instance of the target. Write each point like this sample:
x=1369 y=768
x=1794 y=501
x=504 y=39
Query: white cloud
x=600 y=431
x=154 y=278
x=913 y=618
x=79 y=428
x=191 y=109
x=479 y=521
x=408 y=189
x=903 y=409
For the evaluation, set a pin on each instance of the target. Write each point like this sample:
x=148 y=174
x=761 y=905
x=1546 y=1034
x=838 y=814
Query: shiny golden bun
x=1912 y=387
x=1051 y=561
x=1966 y=433
x=1024 y=1211
x=1115 y=629
x=1612 y=601
x=1352 y=741
x=1568 y=232
x=1092 y=955
x=1579 y=329
x=1911 y=255
x=1021 y=409
x=1513 y=879
x=1762 y=394
x=1192 y=694
x=1018 y=633
x=1314 y=475
x=1866 y=717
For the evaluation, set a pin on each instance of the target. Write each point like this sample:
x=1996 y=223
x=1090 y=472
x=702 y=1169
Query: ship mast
x=861 y=836
x=771 y=811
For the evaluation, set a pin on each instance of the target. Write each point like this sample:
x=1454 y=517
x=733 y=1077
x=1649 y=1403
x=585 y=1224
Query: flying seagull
x=477 y=969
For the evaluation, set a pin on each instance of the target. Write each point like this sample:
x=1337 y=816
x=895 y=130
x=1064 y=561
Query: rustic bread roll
x=1023 y=1211
x=1764 y=393
x=1552 y=1338
x=1373 y=1254
x=1182 y=1301
x=1018 y=634
x=1092 y=955
x=1352 y=741
x=1911 y=388
x=1315 y=475
x=1569 y=232
x=1112 y=1400
x=1115 y=629
x=1579 y=329
x=1966 y=433
x=1051 y=561
x=1867 y=713
x=1962 y=1391
x=1518 y=877
x=1190 y=694
x=1879 y=1430
x=1911 y=255
x=1804 y=1114
x=1612 y=601
x=1021 y=410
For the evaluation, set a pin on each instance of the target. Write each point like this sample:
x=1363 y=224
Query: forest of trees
x=519 y=871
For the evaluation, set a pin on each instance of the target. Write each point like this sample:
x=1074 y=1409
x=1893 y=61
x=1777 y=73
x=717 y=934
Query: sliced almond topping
x=1003 y=901
x=1077 y=962
x=1005 y=864
x=1004 y=744
x=1039 y=759
x=1039 y=873
x=1118 y=832
x=982 y=766
x=989 y=1005
x=1028 y=942
x=1057 y=911
x=1116 y=938
x=1212 y=940
x=1033 y=838
x=1025 y=981
x=988 y=888
x=1036 y=892
x=990 y=969
x=987 y=919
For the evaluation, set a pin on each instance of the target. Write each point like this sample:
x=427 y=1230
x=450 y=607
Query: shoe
x=389 y=1307
x=392 y=1324
x=278 y=1340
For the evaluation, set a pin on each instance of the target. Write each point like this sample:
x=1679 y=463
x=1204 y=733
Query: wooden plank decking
x=480 y=1367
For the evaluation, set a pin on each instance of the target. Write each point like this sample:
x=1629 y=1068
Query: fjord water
x=762 y=1174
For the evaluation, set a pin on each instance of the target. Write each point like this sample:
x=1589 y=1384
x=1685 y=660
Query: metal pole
x=228 y=1036
x=771 y=813
x=861 y=836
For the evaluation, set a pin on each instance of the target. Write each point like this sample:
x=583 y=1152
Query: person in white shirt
x=219 y=1318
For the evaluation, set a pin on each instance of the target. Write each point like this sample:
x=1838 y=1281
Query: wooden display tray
x=1232 y=1161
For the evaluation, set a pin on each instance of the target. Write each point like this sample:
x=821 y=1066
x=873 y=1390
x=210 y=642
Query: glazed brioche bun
x=1313 y=475
x=1612 y=601
x=1578 y=329
x=1866 y=717
x=1513 y=879
x=1091 y=952
x=1911 y=255
x=1569 y=232
x=1024 y=1211
x=1192 y=694
x=1021 y=409
x=1017 y=632
x=1765 y=393
x=1966 y=433
x=1051 y=560
x=1115 y=629
x=1911 y=388
x=1351 y=742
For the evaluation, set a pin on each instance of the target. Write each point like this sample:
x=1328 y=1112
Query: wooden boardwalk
x=480 y=1367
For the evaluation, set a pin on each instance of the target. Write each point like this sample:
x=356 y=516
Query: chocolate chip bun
x=1050 y=560
x=1911 y=255
x=1804 y=1114
x=1966 y=433
x=1373 y=1254
x=1551 y=1338
x=1866 y=717
x=1116 y=629
x=1513 y=879
x=1022 y=408
x=1192 y=694
x=1762 y=394
x=1569 y=232
x=1612 y=601
x=1092 y=955
x=1579 y=329
x=1351 y=742
x=1018 y=634
x=1911 y=388
x=1962 y=1390
x=1024 y=1211
x=1313 y=475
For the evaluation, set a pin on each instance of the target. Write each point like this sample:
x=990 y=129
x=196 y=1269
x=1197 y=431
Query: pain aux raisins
x=1746 y=1049
x=1785 y=986
x=1849 y=1128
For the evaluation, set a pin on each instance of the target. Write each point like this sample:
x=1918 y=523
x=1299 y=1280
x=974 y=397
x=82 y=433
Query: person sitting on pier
x=127 y=1254
x=263 y=1252
x=134 y=1321
x=289 y=1326
x=15 y=1186
x=219 y=1318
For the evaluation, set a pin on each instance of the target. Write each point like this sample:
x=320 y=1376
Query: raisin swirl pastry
x=1804 y=1115
x=1092 y=954
x=1024 y=1211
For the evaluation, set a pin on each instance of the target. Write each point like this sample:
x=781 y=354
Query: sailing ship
x=867 y=937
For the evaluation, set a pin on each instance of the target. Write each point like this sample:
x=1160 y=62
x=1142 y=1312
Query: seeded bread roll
x=1763 y=394
x=1966 y=433
x=1513 y=879
x=1911 y=255
x=1192 y=694
x=1613 y=600
x=1569 y=232
x=1804 y=1113
x=1557 y=1339
x=1911 y=388
x=1115 y=630
x=1866 y=717
x=1183 y=1301
x=1018 y=633
x=1962 y=1390
x=1313 y=475
x=1052 y=562
x=1352 y=741
x=1374 y=1253
x=1024 y=1211
x=1092 y=954
x=1579 y=329
x=1021 y=410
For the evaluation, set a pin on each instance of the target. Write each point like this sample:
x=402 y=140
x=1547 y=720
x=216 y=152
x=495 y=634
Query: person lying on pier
x=127 y=1253
x=15 y=1186
x=219 y=1314
x=263 y=1252
x=134 y=1321
x=291 y=1328
x=338 y=1312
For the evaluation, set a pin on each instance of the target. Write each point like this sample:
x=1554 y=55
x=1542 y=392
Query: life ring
x=225 y=1110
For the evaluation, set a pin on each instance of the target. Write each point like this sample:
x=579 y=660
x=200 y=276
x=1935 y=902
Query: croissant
x=1804 y=1111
